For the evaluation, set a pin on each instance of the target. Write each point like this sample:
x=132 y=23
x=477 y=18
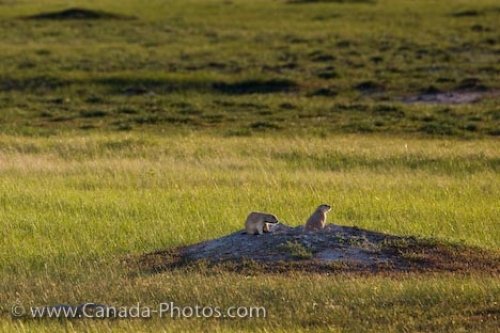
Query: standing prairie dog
x=317 y=220
x=257 y=223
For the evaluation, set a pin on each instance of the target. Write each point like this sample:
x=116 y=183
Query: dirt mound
x=334 y=249
x=77 y=14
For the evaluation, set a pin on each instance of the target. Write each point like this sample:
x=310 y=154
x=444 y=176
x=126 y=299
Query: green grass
x=121 y=137
x=296 y=250
x=249 y=66
x=294 y=303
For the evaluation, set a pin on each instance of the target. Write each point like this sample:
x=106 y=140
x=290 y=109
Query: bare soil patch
x=335 y=249
x=451 y=97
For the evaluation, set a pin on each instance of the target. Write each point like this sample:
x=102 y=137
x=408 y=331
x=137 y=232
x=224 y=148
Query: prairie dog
x=257 y=223
x=317 y=220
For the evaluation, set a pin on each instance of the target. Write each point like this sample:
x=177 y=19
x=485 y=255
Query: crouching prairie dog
x=258 y=223
x=317 y=220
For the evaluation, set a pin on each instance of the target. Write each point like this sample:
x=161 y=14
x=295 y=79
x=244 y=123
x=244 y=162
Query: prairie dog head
x=270 y=218
x=324 y=208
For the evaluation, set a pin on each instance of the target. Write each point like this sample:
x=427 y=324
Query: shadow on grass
x=331 y=1
x=77 y=14
x=37 y=83
x=256 y=86
x=140 y=86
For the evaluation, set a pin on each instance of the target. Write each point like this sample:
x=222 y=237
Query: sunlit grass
x=74 y=207
x=101 y=194
x=296 y=302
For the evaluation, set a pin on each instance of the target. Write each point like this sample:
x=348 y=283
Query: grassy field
x=74 y=208
x=240 y=67
x=124 y=135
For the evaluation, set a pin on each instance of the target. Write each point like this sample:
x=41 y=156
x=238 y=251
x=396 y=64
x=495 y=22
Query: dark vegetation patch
x=287 y=106
x=479 y=28
x=257 y=86
x=327 y=74
x=472 y=84
x=141 y=90
x=78 y=14
x=142 y=86
x=377 y=59
x=494 y=132
x=62 y=118
x=93 y=99
x=351 y=107
x=471 y=12
x=360 y=126
x=214 y=118
x=188 y=110
x=326 y=17
x=264 y=125
x=238 y=132
x=172 y=119
x=466 y=13
x=336 y=249
x=36 y=83
x=368 y=87
x=471 y=127
x=367 y=111
x=281 y=68
x=127 y=110
x=335 y=161
x=430 y=90
x=325 y=92
x=147 y=119
x=343 y=44
x=320 y=56
x=93 y=113
x=389 y=110
x=87 y=126
x=122 y=126
x=251 y=106
x=130 y=86
x=331 y=1
x=438 y=128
